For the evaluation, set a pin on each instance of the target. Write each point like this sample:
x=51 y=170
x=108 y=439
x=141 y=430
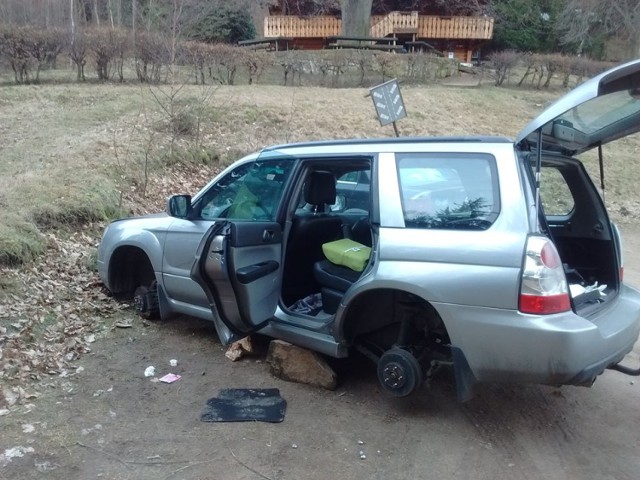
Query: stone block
x=296 y=364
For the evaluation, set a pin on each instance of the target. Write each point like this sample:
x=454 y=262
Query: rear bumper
x=506 y=345
x=588 y=375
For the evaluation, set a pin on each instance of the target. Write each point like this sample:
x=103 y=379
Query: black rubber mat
x=245 y=405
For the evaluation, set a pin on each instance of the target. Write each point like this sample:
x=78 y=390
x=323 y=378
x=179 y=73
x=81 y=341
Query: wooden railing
x=289 y=26
x=394 y=22
x=424 y=26
x=455 y=27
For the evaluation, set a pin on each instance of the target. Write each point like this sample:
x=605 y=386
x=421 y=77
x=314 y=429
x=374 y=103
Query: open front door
x=238 y=265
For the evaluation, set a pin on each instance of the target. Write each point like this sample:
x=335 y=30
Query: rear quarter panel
x=458 y=267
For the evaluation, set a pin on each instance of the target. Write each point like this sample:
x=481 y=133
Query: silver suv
x=493 y=257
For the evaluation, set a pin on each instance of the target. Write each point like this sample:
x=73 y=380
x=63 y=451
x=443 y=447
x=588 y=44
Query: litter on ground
x=170 y=378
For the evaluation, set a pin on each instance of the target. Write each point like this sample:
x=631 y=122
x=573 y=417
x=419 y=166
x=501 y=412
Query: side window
x=353 y=185
x=352 y=192
x=554 y=191
x=448 y=191
x=252 y=191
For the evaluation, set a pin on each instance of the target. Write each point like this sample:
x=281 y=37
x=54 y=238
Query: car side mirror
x=179 y=206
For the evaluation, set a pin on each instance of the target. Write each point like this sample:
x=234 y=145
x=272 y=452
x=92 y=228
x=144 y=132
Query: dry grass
x=70 y=153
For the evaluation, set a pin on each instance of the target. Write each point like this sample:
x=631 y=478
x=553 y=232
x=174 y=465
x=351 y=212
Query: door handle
x=217 y=245
x=268 y=236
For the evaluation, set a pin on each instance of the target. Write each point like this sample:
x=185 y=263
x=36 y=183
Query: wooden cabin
x=454 y=36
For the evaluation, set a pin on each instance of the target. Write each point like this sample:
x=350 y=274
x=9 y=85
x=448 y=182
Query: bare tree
x=583 y=20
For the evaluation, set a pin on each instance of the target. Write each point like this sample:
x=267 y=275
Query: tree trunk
x=95 y=11
x=110 y=8
x=356 y=17
x=72 y=15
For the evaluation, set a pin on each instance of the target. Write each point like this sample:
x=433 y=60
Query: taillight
x=544 y=285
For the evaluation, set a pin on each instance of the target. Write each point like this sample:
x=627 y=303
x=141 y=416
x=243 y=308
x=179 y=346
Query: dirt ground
x=108 y=421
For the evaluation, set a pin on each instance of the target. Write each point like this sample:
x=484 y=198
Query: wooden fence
x=394 y=23
x=423 y=26
x=480 y=28
x=290 y=26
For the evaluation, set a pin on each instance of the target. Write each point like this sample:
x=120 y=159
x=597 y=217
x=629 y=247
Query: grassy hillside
x=74 y=153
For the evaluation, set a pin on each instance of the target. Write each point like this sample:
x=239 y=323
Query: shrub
x=151 y=54
x=78 y=50
x=195 y=54
x=503 y=62
x=29 y=49
x=256 y=63
x=226 y=60
x=102 y=45
x=226 y=24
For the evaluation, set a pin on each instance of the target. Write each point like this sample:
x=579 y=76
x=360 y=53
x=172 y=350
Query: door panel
x=239 y=267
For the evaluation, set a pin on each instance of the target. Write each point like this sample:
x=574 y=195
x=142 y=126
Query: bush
x=108 y=47
x=29 y=49
x=195 y=54
x=226 y=60
x=503 y=62
x=151 y=54
x=226 y=24
x=78 y=50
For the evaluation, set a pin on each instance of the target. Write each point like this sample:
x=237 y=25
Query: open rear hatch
x=569 y=208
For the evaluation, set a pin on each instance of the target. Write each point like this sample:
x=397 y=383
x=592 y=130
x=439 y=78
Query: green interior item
x=347 y=253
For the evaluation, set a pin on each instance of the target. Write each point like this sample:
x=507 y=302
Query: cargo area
x=577 y=222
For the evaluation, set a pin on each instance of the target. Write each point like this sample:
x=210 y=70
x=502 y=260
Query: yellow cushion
x=347 y=253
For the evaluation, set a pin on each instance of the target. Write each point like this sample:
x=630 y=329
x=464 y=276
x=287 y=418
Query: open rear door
x=601 y=110
x=238 y=266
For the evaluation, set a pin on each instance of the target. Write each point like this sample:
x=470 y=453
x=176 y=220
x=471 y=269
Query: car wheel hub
x=399 y=372
x=394 y=375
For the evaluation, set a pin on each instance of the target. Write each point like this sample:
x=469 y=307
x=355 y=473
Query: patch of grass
x=20 y=240
x=92 y=261
x=8 y=285
x=39 y=328
x=75 y=202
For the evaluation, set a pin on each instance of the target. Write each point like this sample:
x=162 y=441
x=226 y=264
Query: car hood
x=158 y=220
x=602 y=109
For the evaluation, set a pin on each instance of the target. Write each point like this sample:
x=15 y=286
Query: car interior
x=333 y=204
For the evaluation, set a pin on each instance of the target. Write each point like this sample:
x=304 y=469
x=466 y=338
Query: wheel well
x=377 y=314
x=129 y=267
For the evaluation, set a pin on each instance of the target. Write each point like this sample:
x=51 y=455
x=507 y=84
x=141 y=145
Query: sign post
x=388 y=103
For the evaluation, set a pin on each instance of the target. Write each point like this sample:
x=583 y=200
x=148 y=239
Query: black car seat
x=335 y=280
x=308 y=233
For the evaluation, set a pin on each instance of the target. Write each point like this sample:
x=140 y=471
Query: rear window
x=448 y=191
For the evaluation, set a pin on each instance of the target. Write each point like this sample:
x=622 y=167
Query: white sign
x=388 y=102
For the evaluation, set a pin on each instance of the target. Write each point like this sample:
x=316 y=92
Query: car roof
x=387 y=141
